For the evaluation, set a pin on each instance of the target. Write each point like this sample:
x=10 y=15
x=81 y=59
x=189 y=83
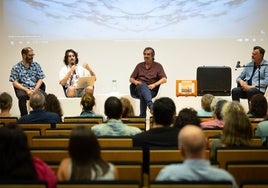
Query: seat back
x=8 y=120
x=192 y=184
x=248 y=170
x=225 y=154
x=22 y=184
x=98 y=184
x=79 y=119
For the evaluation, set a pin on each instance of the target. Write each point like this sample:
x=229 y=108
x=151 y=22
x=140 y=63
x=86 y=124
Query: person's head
x=257 y=54
x=85 y=153
x=37 y=101
x=258 y=105
x=186 y=116
x=113 y=108
x=164 y=110
x=206 y=102
x=70 y=57
x=15 y=159
x=27 y=54
x=148 y=54
x=192 y=142
x=218 y=108
x=87 y=101
x=237 y=129
x=5 y=101
x=128 y=110
x=83 y=145
x=52 y=104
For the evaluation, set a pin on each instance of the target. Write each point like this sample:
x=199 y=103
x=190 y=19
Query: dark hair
x=152 y=50
x=258 y=105
x=16 y=162
x=164 y=110
x=65 y=60
x=113 y=108
x=26 y=50
x=262 y=51
x=84 y=150
x=87 y=101
x=52 y=104
x=187 y=116
x=5 y=101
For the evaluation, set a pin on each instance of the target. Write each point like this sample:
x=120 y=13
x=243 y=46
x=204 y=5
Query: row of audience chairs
x=129 y=184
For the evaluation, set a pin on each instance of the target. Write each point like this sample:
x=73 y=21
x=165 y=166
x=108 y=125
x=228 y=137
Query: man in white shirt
x=71 y=72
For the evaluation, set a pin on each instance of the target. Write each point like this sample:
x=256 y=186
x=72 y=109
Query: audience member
x=88 y=102
x=16 y=162
x=5 y=104
x=262 y=131
x=217 y=121
x=128 y=110
x=254 y=73
x=26 y=77
x=205 y=110
x=114 y=126
x=85 y=161
x=161 y=134
x=237 y=129
x=146 y=79
x=52 y=104
x=186 y=116
x=257 y=106
x=38 y=114
x=195 y=167
x=70 y=73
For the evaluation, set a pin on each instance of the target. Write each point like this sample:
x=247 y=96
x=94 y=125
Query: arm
x=134 y=81
x=86 y=66
x=116 y=174
x=158 y=83
x=62 y=173
x=64 y=77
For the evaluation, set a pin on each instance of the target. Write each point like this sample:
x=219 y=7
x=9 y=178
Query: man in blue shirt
x=195 y=167
x=26 y=77
x=38 y=114
x=254 y=77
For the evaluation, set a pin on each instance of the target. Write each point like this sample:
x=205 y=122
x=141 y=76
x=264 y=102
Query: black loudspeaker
x=215 y=80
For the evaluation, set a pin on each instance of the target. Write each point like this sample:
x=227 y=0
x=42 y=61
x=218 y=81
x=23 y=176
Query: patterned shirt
x=28 y=77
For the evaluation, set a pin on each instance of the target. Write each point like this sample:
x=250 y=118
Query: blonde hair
x=206 y=101
x=237 y=129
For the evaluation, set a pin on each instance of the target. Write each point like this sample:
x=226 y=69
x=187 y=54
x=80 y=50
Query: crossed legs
x=145 y=95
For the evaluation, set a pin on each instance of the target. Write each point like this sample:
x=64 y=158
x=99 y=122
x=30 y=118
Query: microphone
x=238 y=64
x=74 y=69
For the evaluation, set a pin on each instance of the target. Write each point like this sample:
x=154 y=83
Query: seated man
x=26 y=77
x=254 y=78
x=71 y=72
x=38 y=114
x=146 y=79
x=195 y=167
x=114 y=126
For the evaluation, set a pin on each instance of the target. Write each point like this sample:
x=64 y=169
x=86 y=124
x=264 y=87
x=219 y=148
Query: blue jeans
x=238 y=93
x=145 y=95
